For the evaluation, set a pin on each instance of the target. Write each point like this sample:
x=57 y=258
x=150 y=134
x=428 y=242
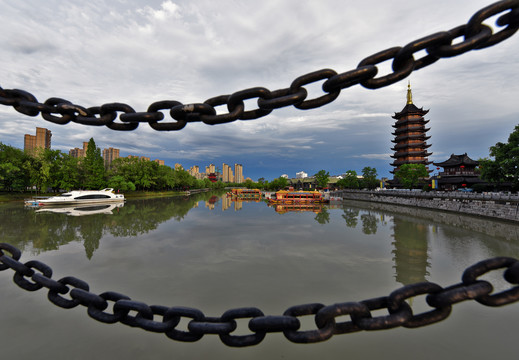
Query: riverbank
x=491 y=205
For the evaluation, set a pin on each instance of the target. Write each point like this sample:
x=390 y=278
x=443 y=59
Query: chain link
x=147 y=317
x=475 y=35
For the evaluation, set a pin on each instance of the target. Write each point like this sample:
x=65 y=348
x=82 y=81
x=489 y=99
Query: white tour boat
x=80 y=197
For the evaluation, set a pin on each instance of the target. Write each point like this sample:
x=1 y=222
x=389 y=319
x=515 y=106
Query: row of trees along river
x=53 y=169
x=47 y=169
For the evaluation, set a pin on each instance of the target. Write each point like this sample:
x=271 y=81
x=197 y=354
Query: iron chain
x=475 y=34
x=164 y=319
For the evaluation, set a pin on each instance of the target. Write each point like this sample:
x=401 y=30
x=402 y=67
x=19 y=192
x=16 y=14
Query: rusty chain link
x=34 y=275
x=475 y=34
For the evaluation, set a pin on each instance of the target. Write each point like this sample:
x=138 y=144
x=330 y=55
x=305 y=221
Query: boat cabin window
x=94 y=196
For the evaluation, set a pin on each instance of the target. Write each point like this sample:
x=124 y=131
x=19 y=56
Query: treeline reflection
x=413 y=230
x=48 y=230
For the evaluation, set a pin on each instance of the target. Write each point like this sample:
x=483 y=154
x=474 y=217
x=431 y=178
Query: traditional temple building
x=410 y=135
x=459 y=171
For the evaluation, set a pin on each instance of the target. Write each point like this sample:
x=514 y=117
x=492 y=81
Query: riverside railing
x=453 y=195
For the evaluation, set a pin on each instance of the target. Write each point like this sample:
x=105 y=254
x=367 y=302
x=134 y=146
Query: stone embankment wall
x=493 y=205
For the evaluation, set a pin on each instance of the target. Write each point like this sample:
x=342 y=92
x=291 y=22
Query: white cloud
x=139 y=52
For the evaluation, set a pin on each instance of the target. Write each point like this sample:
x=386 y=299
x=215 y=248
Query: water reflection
x=106 y=209
x=369 y=220
x=410 y=253
x=216 y=260
x=410 y=245
x=414 y=228
x=411 y=229
x=286 y=208
x=51 y=228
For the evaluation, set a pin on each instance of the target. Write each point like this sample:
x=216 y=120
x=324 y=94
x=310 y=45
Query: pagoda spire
x=409 y=93
x=410 y=135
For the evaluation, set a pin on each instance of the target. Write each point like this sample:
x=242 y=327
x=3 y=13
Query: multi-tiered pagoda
x=410 y=135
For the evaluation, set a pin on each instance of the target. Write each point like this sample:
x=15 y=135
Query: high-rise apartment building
x=195 y=172
x=160 y=162
x=40 y=140
x=211 y=169
x=238 y=173
x=227 y=174
x=79 y=153
x=109 y=155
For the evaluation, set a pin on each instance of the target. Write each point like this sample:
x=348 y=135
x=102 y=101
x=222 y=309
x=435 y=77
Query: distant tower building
x=178 y=167
x=211 y=169
x=194 y=171
x=79 y=153
x=40 y=140
x=238 y=173
x=160 y=162
x=109 y=155
x=227 y=175
x=410 y=135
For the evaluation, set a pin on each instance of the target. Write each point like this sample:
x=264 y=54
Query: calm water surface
x=212 y=254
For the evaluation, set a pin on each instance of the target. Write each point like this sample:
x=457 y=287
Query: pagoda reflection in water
x=410 y=253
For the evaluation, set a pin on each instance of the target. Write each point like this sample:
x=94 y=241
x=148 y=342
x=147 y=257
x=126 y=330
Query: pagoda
x=410 y=135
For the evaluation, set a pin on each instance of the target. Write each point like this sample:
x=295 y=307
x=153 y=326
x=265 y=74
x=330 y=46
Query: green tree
x=369 y=175
x=505 y=166
x=12 y=176
x=119 y=183
x=349 y=181
x=68 y=173
x=277 y=184
x=321 y=178
x=93 y=167
x=410 y=174
x=38 y=168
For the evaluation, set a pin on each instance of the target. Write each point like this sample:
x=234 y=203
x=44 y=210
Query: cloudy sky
x=138 y=52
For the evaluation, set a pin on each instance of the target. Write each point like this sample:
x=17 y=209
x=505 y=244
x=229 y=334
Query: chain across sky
x=475 y=35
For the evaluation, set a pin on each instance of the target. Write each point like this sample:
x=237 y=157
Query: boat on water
x=297 y=197
x=79 y=197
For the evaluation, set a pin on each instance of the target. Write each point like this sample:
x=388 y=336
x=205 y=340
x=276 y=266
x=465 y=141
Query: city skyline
x=43 y=136
x=471 y=98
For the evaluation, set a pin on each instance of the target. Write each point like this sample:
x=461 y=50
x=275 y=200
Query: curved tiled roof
x=457 y=160
x=410 y=109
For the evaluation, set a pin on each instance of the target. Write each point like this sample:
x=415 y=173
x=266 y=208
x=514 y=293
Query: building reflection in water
x=285 y=208
x=410 y=245
x=228 y=201
x=411 y=250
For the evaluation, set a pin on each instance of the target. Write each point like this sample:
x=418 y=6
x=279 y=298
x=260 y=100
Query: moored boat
x=296 y=197
x=79 y=197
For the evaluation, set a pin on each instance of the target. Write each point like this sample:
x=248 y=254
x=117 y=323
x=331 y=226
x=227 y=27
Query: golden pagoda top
x=409 y=94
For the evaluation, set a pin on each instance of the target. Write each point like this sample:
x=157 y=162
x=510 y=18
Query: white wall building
x=301 y=175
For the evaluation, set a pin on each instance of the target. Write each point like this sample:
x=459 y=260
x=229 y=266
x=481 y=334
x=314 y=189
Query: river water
x=212 y=254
